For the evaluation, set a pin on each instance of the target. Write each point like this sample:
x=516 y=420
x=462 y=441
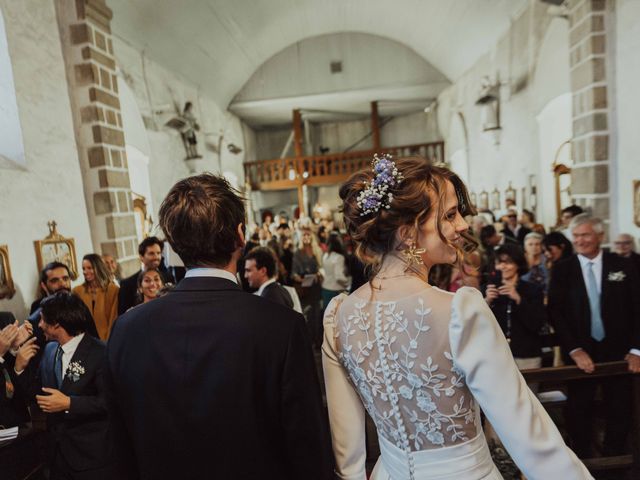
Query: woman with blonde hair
x=99 y=293
x=419 y=360
x=306 y=275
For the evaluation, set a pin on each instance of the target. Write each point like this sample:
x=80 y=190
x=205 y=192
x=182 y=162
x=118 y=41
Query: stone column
x=87 y=48
x=590 y=176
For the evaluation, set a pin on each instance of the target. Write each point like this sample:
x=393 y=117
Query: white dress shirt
x=264 y=285
x=597 y=272
x=211 y=272
x=68 y=349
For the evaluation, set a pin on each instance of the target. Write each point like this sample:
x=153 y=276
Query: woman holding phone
x=517 y=304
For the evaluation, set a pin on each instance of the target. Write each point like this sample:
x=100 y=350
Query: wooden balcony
x=293 y=172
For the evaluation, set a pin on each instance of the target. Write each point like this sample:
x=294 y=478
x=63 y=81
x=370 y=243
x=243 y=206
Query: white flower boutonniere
x=74 y=371
x=616 y=276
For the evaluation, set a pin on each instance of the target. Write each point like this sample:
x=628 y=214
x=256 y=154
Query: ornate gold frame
x=55 y=239
x=7 y=288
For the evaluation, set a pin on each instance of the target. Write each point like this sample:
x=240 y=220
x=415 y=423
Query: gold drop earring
x=412 y=255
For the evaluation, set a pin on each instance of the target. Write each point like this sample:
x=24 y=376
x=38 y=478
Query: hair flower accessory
x=377 y=194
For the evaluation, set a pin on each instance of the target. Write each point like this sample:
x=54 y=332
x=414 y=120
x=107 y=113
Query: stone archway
x=458 y=147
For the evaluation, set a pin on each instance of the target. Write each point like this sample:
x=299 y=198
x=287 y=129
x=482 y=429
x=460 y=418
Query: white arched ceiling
x=372 y=68
x=457 y=147
x=219 y=44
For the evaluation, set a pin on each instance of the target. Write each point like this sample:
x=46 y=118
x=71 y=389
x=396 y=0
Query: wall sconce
x=474 y=199
x=489 y=101
x=484 y=200
x=510 y=194
x=495 y=199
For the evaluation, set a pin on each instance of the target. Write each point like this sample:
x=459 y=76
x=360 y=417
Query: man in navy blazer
x=260 y=272
x=210 y=381
x=594 y=306
x=69 y=387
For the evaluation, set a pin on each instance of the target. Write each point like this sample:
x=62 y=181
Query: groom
x=210 y=381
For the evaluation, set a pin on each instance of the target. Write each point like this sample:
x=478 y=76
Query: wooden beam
x=301 y=200
x=375 y=126
x=297 y=133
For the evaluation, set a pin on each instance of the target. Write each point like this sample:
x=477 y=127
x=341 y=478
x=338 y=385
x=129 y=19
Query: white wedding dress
x=423 y=362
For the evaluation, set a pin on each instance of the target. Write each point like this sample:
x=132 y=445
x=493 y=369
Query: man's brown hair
x=200 y=218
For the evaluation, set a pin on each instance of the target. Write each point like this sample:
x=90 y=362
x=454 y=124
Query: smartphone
x=495 y=278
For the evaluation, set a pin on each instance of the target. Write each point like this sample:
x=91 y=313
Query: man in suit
x=208 y=380
x=513 y=229
x=69 y=387
x=13 y=403
x=595 y=308
x=150 y=251
x=260 y=272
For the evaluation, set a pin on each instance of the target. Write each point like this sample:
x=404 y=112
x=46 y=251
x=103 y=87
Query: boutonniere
x=74 y=371
x=616 y=276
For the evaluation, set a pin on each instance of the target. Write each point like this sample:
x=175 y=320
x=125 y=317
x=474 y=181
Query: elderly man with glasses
x=625 y=246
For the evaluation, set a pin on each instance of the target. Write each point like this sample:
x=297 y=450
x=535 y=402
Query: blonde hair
x=315 y=248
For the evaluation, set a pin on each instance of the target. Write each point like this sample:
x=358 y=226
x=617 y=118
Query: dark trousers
x=616 y=394
x=59 y=469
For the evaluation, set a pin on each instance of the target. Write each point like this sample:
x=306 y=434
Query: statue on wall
x=189 y=130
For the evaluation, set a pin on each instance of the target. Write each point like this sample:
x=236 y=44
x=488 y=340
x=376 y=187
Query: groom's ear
x=241 y=240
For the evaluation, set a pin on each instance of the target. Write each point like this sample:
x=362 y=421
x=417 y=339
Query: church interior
x=106 y=104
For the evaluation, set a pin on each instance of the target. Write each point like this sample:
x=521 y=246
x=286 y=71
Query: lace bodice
x=398 y=357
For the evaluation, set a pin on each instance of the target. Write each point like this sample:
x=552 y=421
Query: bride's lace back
x=398 y=357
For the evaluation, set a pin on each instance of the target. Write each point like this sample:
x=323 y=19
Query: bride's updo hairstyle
x=420 y=194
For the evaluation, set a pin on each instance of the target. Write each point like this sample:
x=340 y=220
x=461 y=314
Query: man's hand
x=7 y=336
x=56 y=402
x=25 y=353
x=583 y=361
x=511 y=292
x=24 y=332
x=634 y=362
x=491 y=294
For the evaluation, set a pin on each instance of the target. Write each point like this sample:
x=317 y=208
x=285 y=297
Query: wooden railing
x=285 y=173
x=558 y=376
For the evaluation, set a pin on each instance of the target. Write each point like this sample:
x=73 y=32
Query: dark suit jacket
x=527 y=319
x=570 y=313
x=213 y=382
x=521 y=233
x=13 y=403
x=81 y=436
x=278 y=294
x=127 y=295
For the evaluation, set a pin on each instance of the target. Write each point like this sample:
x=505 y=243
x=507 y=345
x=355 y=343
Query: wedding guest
x=334 y=265
x=528 y=219
x=224 y=384
x=13 y=402
x=150 y=253
x=260 y=271
x=624 y=246
x=538 y=272
x=149 y=285
x=114 y=268
x=305 y=272
x=595 y=307
x=518 y=306
x=566 y=215
x=99 y=294
x=556 y=247
x=513 y=228
x=69 y=387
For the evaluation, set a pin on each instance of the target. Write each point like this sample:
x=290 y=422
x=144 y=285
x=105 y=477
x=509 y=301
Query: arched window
x=11 y=146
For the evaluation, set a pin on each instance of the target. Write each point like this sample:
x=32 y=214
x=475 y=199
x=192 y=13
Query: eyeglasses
x=625 y=242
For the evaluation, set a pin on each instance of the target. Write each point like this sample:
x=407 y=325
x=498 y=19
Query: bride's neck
x=395 y=266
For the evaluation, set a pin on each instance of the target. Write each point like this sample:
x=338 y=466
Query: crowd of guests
x=530 y=279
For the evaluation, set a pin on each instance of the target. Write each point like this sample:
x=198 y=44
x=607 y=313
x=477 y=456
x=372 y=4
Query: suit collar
x=264 y=286
x=78 y=356
x=206 y=283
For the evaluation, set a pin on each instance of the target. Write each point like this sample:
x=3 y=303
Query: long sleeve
x=557 y=308
x=531 y=309
x=86 y=406
x=346 y=413
x=481 y=352
x=111 y=306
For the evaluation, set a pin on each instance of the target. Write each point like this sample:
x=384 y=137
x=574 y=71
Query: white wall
x=50 y=185
x=625 y=91
x=531 y=61
x=158 y=93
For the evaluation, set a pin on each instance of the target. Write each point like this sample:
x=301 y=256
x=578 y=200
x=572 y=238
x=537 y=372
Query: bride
x=420 y=360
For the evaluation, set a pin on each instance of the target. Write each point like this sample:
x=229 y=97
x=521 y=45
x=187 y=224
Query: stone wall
x=85 y=31
x=50 y=186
